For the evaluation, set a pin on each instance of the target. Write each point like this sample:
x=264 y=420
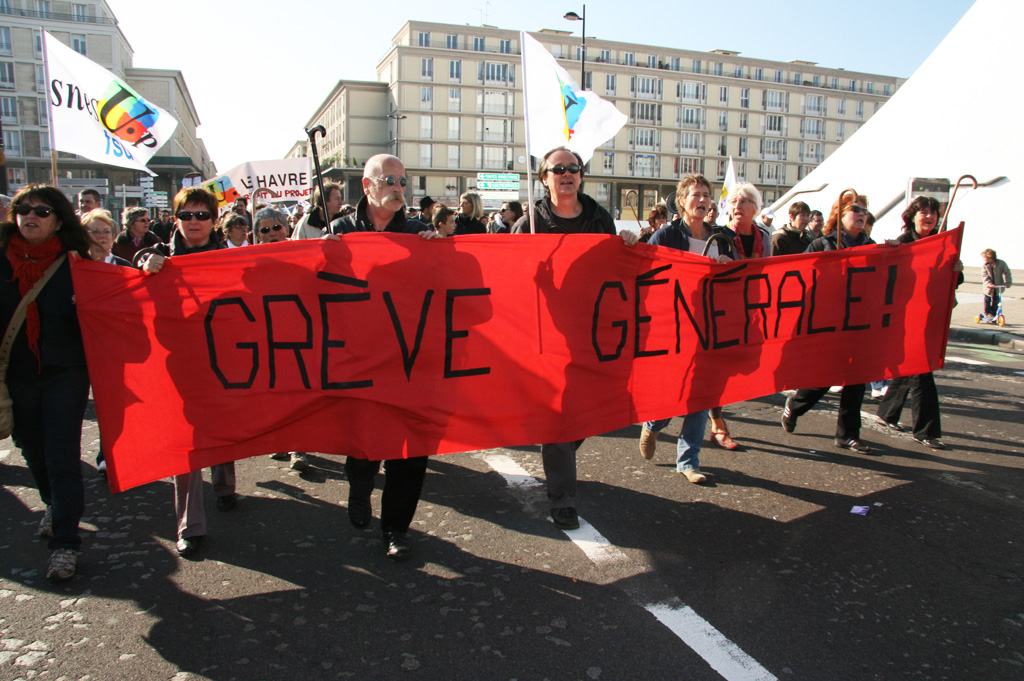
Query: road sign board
x=499 y=177
x=489 y=184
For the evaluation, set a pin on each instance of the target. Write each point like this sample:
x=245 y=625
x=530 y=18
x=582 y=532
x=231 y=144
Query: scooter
x=1000 y=318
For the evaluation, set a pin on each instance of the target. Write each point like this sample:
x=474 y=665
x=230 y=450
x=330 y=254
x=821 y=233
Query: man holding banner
x=382 y=210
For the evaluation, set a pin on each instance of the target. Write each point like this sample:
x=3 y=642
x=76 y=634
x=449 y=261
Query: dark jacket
x=677 y=235
x=181 y=247
x=595 y=219
x=360 y=222
x=60 y=338
x=828 y=243
x=464 y=224
x=125 y=248
x=789 y=241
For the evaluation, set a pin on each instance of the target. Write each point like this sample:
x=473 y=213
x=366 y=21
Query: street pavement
x=764 y=573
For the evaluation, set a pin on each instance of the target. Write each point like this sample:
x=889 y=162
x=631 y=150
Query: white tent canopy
x=958 y=114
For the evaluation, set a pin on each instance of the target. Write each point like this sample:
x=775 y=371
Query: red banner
x=388 y=346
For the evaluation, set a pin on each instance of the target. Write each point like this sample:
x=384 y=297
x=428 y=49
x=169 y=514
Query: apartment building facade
x=90 y=28
x=455 y=109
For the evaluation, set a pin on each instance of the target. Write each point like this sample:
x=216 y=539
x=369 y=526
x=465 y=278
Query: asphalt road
x=763 y=573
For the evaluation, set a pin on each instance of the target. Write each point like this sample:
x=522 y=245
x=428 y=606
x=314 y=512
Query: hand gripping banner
x=389 y=346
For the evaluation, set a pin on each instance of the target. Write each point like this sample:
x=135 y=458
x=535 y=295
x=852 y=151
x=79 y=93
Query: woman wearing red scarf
x=47 y=376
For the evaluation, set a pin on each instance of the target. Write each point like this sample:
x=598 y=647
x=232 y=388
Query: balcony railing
x=58 y=16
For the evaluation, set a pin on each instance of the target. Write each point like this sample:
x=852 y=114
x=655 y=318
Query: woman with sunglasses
x=271 y=226
x=846 y=223
x=47 y=376
x=565 y=210
x=136 y=234
x=195 y=210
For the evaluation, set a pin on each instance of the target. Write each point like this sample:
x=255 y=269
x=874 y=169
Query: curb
x=986 y=337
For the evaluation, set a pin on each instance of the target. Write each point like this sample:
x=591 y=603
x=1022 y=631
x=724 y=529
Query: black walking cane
x=311 y=132
x=942 y=225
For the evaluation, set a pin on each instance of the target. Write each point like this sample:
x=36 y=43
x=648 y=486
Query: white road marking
x=724 y=656
x=964 y=360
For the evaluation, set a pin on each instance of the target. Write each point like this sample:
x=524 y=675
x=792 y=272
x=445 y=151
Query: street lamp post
x=572 y=16
x=395 y=116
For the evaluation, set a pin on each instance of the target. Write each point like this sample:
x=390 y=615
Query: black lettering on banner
x=55 y=88
x=273 y=346
x=747 y=306
x=342 y=279
x=409 y=358
x=622 y=323
x=702 y=338
x=814 y=300
x=211 y=345
x=450 y=334
x=850 y=299
x=890 y=285
x=715 y=313
x=786 y=304
x=325 y=382
x=646 y=279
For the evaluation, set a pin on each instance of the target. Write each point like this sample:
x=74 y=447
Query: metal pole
x=583 y=52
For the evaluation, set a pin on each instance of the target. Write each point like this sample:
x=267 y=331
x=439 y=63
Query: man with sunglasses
x=382 y=209
x=565 y=210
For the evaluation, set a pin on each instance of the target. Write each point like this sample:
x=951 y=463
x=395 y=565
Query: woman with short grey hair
x=271 y=226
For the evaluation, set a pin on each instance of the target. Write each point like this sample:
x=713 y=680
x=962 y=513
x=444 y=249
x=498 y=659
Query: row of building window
x=455 y=42
x=78 y=43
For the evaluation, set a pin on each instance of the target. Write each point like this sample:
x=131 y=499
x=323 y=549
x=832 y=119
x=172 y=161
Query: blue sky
x=256 y=73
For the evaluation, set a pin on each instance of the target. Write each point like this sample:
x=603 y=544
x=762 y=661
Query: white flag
x=288 y=179
x=95 y=114
x=558 y=112
x=727 y=187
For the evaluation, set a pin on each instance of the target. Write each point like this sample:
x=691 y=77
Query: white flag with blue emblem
x=558 y=112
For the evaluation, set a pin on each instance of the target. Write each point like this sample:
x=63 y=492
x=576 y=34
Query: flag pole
x=49 y=107
x=529 y=146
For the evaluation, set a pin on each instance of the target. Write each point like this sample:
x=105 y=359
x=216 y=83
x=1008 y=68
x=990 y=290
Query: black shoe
x=931 y=443
x=227 y=502
x=396 y=546
x=188 y=546
x=895 y=427
x=565 y=518
x=854 y=445
x=788 y=419
x=359 y=511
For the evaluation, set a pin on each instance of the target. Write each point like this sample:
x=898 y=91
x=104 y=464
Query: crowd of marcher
x=49 y=383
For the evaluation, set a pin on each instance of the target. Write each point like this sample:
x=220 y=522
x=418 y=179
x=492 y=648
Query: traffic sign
x=499 y=177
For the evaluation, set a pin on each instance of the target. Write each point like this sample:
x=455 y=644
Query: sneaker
x=836 y=389
x=62 y=565
x=895 y=427
x=853 y=445
x=877 y=394
x=280 y=456
x=299 y=462
x=565 y=518
x=694 y=476
x=788 y=418
x=227 y=502
x=930 y=442
x=46 y=524
x=648 y=443
x=188 y=546
x=101 y=467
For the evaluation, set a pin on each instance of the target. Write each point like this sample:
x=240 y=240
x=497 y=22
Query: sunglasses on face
x=562 y=170
x=276 y=228
x=854 y=208
x=201 y=215
x=40 y=211
x=391 y=180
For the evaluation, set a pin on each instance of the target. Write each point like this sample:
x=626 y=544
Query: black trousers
x=924 y=403
x=850 y=400
x=48 y=412
x=403 y=482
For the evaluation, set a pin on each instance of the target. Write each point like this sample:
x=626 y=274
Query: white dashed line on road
x=724 y=656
